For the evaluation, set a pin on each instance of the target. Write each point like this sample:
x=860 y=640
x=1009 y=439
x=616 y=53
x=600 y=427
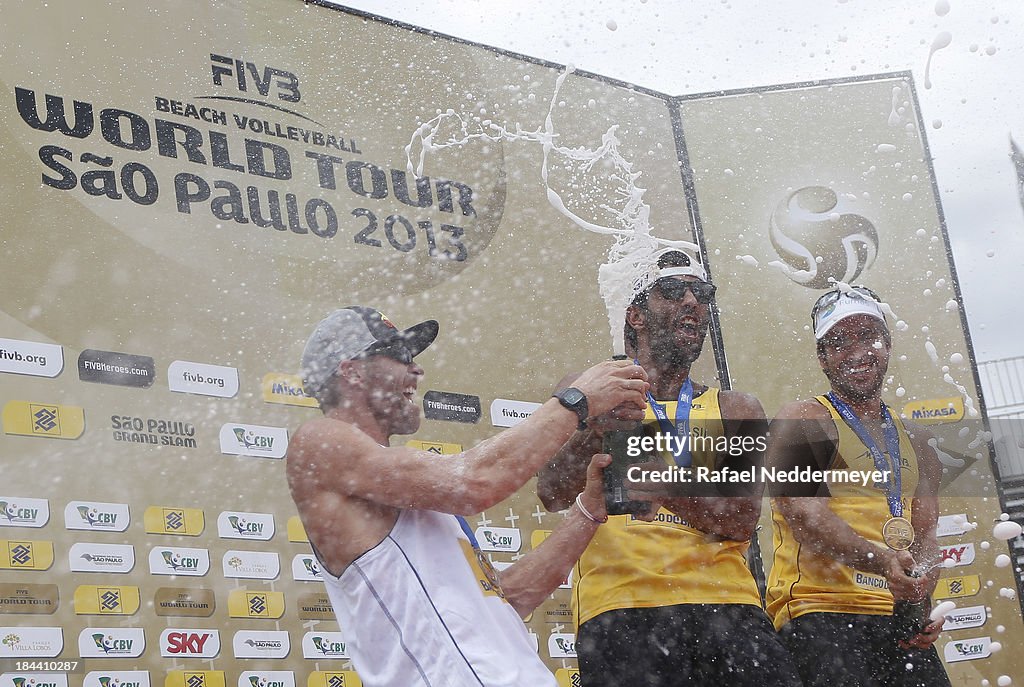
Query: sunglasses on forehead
x=833 y=296
x=396 y=350
x=675 y=290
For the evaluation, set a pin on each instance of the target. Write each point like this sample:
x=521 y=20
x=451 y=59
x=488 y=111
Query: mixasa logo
x=100 y=517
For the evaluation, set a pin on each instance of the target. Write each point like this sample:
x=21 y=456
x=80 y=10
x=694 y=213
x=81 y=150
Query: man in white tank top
x=416 y=600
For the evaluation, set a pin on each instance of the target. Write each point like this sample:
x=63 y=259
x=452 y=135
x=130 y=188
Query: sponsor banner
x=194 y=678
x=507 y=413
x=315 y=606
x=296 y=532
x=261 y=644
x=253 y=440
x=965 y=618
x=322 y=645
x=97 y=516
x=251 y=565
x=176 y=560
x=967 y=649
x=452 y=407
x=279 y=387
x=96 y=557
x=27 y=642
x=957 y=587
x=952 y=525
x=189 y=643
x=93 y=599
x=246 y=604
x=869 y=581
x=568 y=677
x=111 y=642
x=506 y=539
x=957 y=554
x=438 y=447
x=266 y=678
x=29 y=599
x=562 y=645
x=116 y=678
x=339 y=678
x=204 y=379
x=189 y=522
x=935 y=410
x=306 y=568
x=34 y=680
x=121 y=369
x=31 y=358
x=18 y=511
x=25 y=554
x=237 y=525
x=153 y=431
x=31 y=419
x=186 y=602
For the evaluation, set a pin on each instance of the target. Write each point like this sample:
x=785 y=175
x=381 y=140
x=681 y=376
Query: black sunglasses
x=831 y=297
x=395 y=350
x=675 y=290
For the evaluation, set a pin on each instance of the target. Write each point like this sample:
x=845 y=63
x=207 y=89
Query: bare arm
x=330 y=456
x=537 y=574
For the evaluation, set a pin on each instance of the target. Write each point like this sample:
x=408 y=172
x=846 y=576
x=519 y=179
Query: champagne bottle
x=909 y=617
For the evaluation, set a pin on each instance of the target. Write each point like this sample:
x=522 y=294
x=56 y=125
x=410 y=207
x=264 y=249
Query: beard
x=668 y=348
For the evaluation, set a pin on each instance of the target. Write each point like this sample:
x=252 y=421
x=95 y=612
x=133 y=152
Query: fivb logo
x=247 y=75
x=201 y=378
x=34 y=680
x=92 y=557
x=111 y=642
x=507 y=539
x=189 y=643
x=266 y=678
x=968 y=649
x=252 y=565
x=31 y=358
x=508 y=413
x=119 y=678
x=170 y=560
x=254 y=644
x=306 y=568
x=101 y=517
x=322 y=645
x=23 y=512
x=253 y=440
x=562 y=645
x=957 y=554
x=236 y=525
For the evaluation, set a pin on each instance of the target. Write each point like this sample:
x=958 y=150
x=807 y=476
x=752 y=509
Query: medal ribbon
x=892 y=444
x=681 y=428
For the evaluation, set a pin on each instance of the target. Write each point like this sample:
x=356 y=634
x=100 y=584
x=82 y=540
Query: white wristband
x=586 y=513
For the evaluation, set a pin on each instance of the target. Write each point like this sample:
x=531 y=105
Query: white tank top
x=419 y=610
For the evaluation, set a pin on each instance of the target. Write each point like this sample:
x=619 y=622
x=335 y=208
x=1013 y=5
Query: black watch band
x=576 y=401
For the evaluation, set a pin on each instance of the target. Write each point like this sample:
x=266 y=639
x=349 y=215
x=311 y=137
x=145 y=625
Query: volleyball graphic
x=817 y=236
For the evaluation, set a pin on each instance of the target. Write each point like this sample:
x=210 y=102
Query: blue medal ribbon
x=681 y=427
x=468 y=532
x=893 y=486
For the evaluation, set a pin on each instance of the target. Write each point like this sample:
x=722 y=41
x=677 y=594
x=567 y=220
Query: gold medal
x=898 y=534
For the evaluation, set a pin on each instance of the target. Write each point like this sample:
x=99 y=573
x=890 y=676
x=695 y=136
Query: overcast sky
x=974 y=103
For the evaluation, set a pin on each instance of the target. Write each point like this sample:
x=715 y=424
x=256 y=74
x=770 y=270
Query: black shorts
x=857 y=650
x=687 y=644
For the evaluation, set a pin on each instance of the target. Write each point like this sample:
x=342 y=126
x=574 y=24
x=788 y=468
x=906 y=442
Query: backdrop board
x=181 y=210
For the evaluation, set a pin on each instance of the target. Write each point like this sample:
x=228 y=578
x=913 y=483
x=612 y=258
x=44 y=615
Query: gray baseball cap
x=346 y=333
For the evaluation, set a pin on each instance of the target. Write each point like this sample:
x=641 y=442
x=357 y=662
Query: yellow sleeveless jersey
x=635 y=564
x=803 y=582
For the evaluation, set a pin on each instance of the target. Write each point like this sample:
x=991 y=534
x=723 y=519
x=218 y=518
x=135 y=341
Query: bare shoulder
x=809 y=409
x=322 y=440
x=740 y=405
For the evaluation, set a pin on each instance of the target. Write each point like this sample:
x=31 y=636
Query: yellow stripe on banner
x=189 y=522
x=279 y=387
x=91 y=599
x=31 y=419
x=194 y=678
x=568 y=677
x=296 y=532
x=26 y=555
x=246 y=604
x=957 y=587
x=437 y=447
x=341 y=678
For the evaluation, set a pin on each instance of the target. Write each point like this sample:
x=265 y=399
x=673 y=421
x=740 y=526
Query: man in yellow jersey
x=845 y=549
x=672 y=601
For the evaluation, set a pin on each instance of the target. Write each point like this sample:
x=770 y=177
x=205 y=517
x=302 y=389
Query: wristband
x=586 y=513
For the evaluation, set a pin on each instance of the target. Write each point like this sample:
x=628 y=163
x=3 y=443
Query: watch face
x=572 y=396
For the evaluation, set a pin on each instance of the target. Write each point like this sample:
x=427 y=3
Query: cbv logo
x=562 y=645
x=179 y=561
x=247 y=76
x=253 y=440
x=82 y=515
x=23 y=512
x=104 y=642
x=238 y=525
x=198 y=643
x=499 y=538
x=318 y=645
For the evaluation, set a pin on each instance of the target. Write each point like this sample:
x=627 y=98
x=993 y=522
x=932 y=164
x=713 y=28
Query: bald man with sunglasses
x=418 y=602
x=673 y=601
